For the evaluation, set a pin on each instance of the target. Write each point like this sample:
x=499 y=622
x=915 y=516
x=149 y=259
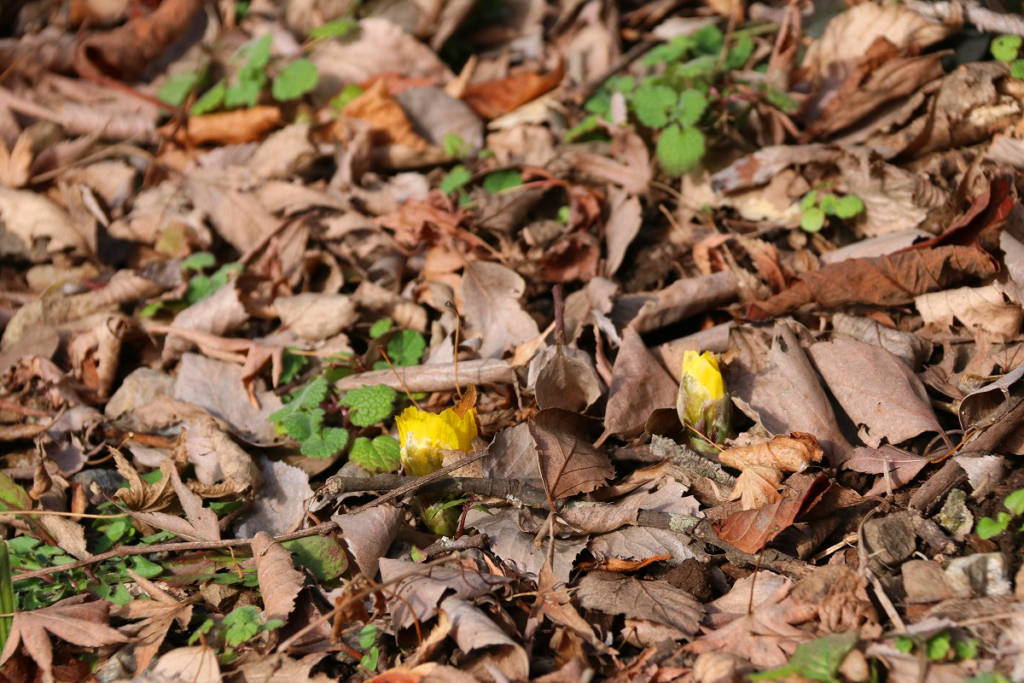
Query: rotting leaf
x=280 y=582
x=762 y=465
x=750 y=530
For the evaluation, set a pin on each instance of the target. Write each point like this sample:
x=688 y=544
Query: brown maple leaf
x=157 y=616
x=72 y=619
x=766 y=636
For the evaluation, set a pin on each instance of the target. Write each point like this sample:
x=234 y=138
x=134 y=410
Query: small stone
x=924 y=581
x=983 y=574
x=890 y=540
x=954 y=516
x=99 y=484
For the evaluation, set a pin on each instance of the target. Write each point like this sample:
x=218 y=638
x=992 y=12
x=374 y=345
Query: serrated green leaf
x=383 y=454
x=966 y=649
x=306 y=398
x=145 y=568
x=334 y=29
x=812 y=220
x=295 y=80
x=692 y=104
x=1017 y=68
x=621 y=83
x=211 y=100
x=348 y=93
x=199 y=261
x=380 y=327
x=679 y=149
x=740 y=52
x=849 y=206
x=587 y=125
x=370 y=404
x=939 y=646
x=1015 y=502
x=1005 y=48
x=651 y=105
x=406 y=348
x=323 y=555
x=502 y=180
x=456 y=179
x=326 y=443
x=454 y=145
x=669 y=52
x=810 y=199
x=828 y=204
x=178 y=87
x=292 y=365
x=818 y=660
x=600 y=103
x=242 y=624
x=302 y=424
x=244 y=93
x=257 y=52
x=988 y=528
x=709 y=40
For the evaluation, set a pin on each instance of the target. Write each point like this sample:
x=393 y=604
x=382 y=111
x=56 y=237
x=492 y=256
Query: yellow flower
x=424 y=435
x=704 y=368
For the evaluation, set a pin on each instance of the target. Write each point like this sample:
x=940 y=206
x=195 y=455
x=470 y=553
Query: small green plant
x=200 y=286
x=249 y=78
x=7 y=603
x=816 y=206
x=941 y=647
x=818 y=660
x=368 y=641
x=404 y=348
x=674 y=102
x=989 y=528
x=1006 y=49
x=238 y=627
x=460 y=176
x=455 y=146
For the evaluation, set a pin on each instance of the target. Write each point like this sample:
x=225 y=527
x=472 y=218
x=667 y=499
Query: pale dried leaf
x=368 y=535
x=565 y=379
x=422 y=588
x=474 y=631
x=281 y=500
x=639 y=386
x=186 y=665
x=157 y=615
x=515 y=546
x=977 y=308
x=657 y=601
x=569 y=462
x=490 y=295
x=316 y=316
x=280 y=582
x=200 y=524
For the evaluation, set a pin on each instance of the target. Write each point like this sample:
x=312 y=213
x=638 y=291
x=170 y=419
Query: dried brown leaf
x=766 y=636
x=566 y=379
x=750 y=530
x=389 y=122
x=368 y=535
x=623 y=225
x=423 y=587
x=762 y=466
x=192 y=664
x=225 y=128
x=80 y=623
x=883 y=281
x=200 y=524
x=157 y=616
x=280 y=582
x=490 y=295
x=494 y=98
x=569 y=462
x=316 y=316
x=639 y=386
x=474 y=631
x=877 y=390
x=983 y=309
x=140 y=495
x=512 y=535
x=657 y=601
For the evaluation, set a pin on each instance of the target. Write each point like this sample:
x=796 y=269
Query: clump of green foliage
x=940 y=647
x=818 y=660
x=817 y=206
x=321 y=419
x=989 y=528
x=250 y=75
x=228 y=633
x=200 y=286
x=1006 y=49
x=680 y=101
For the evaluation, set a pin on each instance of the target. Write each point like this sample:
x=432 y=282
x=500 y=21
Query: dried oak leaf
x=657 y=601
x=157 y=615
x=200 y=523
x=280 y=582
x=761 y=466
x=73 y=620
x=766 y=636
x=750 y=530
x=892 y=280
x=569 y=462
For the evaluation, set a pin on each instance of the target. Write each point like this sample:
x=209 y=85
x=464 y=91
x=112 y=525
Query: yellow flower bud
x=424 y=435
x=704 y=368
x=702 y=402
